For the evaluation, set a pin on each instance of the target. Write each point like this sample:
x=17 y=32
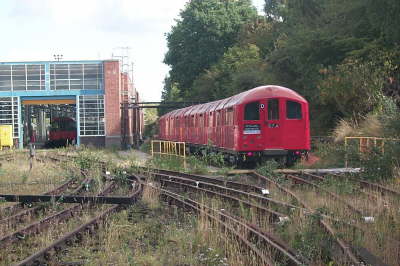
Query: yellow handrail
x=173 y=148
x=364 y=144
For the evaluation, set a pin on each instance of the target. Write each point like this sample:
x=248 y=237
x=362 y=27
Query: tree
x=241 y=68
x=205 y=30
x=170 y=93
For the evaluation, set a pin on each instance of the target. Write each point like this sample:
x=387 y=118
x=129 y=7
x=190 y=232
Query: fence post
x=345 y=152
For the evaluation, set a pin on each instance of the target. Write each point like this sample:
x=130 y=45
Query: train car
x=62 y=131
x=264 y=122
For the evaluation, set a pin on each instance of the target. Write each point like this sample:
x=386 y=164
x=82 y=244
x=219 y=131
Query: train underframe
x=250 y=158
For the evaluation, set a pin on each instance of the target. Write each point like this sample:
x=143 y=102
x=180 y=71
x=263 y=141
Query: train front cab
x=276 y=127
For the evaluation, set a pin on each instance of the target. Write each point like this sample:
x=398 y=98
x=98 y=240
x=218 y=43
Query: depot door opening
x=49 y=125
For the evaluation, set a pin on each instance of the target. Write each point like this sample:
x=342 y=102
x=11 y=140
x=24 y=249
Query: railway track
x=13 y=216
x=359 y=213
x=9 y=210
x=17 y=217
x=355 y=255
x=254 y=197
x=45 y=255
x=254 y=201
x=235 y=227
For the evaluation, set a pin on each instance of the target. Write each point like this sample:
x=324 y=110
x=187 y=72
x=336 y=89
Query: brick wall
x=112 y=86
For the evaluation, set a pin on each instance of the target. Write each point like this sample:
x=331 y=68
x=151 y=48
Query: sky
x=35 y=30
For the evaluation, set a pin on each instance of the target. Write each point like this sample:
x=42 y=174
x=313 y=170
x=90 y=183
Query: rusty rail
x=27 y=212
x=42 y=255
x=226 y=221
x=331 y=194
x=207 y=179
x=222 y=189
x=20 y=206
x=359 y=259
x=276 y=216
x=41 y=225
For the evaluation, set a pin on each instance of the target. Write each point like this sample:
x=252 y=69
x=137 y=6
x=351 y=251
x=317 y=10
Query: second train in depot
x=264 y=122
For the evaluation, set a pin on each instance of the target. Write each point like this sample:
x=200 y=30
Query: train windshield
x=252 y=111
x=293 y=110
x=62 y=124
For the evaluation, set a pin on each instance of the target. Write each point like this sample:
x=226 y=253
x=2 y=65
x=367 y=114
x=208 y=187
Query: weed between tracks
x=142 y=235
x=302 y=232
x=151 y=233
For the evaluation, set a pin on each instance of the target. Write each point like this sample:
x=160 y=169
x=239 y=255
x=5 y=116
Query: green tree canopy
x=205 y=30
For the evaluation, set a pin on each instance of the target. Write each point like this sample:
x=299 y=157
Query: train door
x=295 y=134
x=272 y=125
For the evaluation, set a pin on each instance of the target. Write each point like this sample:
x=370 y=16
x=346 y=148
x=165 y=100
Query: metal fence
x=172 y=148
x=366 y=144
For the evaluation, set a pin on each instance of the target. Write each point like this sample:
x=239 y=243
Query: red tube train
x=267 y=121
x=62 y=132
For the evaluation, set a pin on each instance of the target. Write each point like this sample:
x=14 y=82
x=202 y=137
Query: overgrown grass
x=149 y=236
x=193 y=164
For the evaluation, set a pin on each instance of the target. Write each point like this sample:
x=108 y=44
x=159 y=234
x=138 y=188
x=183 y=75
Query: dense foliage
x=343 y=56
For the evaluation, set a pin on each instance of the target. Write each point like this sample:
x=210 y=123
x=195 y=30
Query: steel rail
x=331 y=194
x=42 y=255
x=27 y=212
x=57 y=190
x=223 y=219
x=222 y=189
x=65 y=199
x=207 y=179
x=361 y=259
x=226 y=183
x=380 y=188
x=276 y=215
x=316 y=177
x=30 y=211
x=41 y=225
x=369 y=195
x=278 y=203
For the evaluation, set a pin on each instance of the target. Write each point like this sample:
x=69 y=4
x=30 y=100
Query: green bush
x=378 y=165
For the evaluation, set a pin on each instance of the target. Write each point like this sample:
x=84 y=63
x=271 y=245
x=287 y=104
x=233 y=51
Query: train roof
x=268 y=91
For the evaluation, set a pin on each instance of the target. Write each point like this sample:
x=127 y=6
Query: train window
x=229 y=116
x=273 y=109
x=293 y=110
x=252 y=111
x=201 y=120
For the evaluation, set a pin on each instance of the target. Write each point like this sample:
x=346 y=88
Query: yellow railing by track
x=172 y=148
x=365 y=144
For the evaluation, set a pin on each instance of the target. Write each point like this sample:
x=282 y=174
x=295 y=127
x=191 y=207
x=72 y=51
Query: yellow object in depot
x=6 y=136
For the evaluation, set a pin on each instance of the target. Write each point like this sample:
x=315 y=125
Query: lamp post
x=58 y=57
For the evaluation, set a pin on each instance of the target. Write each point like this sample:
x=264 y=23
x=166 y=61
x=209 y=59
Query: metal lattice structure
x=91 y=114
x=22 y=77
x=76 y=76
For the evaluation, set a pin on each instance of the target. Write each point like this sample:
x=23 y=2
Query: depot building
x=87 y=94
